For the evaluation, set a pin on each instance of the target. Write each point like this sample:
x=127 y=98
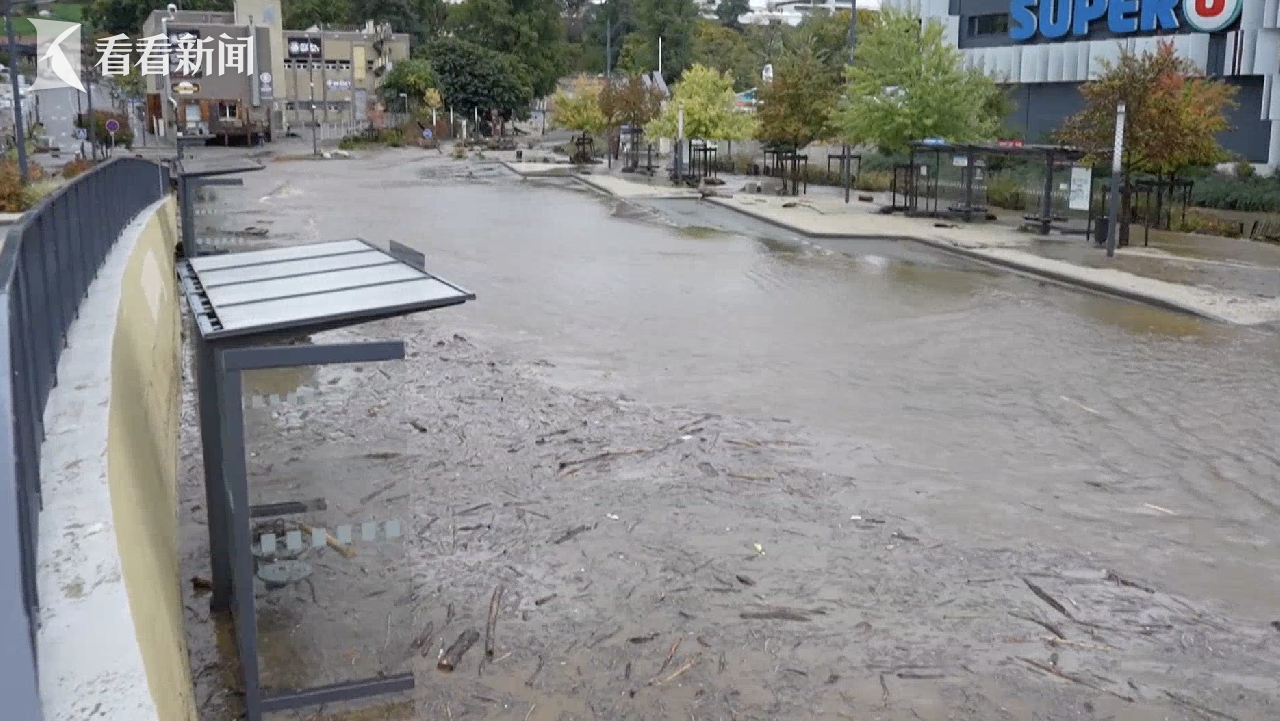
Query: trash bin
x=1100 y=227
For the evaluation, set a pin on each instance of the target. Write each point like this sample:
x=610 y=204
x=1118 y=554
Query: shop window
x=985 y=25
x=228 y=111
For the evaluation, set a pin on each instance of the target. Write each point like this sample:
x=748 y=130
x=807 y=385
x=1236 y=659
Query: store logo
x=1056 y=19
x=1211 y=16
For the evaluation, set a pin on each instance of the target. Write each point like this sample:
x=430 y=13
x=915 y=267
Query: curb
x=557 y=173
x=1064 y=279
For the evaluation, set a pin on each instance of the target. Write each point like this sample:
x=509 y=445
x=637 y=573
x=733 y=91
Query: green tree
x=826 y=34
x=127 y=16
x=579 y=108
x=471 y=77
x=636 y=56
x=716 y=46
x=615 y=18
x=1172 y=116
x=531 y=31
x=795 y=109
x=907 y=84
x=710 y=108
x=413 y=77
x=674 y=21
x=423 y=19
x=728 y=12
x=302 y=14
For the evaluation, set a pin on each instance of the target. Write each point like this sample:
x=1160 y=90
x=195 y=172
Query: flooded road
x=989 y=413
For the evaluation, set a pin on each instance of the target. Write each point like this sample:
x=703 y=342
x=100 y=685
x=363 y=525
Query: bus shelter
x=952 y=180
x=247 y=307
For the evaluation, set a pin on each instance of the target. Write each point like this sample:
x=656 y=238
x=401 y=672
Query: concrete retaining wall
x=112 y=644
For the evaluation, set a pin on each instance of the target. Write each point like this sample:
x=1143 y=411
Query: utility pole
x=608 y=46
x=846 y=158
x=315 y=127
x=660 y=55
x=19 y=136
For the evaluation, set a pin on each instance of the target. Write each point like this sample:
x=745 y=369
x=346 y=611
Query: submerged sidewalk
x=1222 y=279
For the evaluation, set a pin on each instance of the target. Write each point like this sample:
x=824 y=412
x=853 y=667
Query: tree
x=795 y=109
x=729 y=11
x=471 y=77
x=674 y=21
x=636 y=55
x=579 y=108
x=301 y=14
x=710 y=108
x=127 y=16
x=1172 y=116
x=413 y=77
x=531 y=31
x=716 y=46
x=629 y=101
x=826 y=34
x=907 y=84
x=423 y=19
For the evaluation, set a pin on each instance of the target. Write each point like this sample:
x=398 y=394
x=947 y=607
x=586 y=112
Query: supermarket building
x=1046 y=48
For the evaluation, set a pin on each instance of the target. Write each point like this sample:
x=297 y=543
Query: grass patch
x=66 y=13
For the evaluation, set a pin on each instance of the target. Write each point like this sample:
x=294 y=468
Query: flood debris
x=1183 y=701
x=1054 y=670
x=329 y=541
x=545 y=599
x=670 y=655
x=779 y=614
x=646 y=638
x=569 y=534
x=422 y=642
x=680 y=671
x=495 y=603
x=199 y=584
x=451 y=657
x=1042 y=624
x=745 y=579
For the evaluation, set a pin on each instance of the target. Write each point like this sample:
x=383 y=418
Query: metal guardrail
x=48 y=260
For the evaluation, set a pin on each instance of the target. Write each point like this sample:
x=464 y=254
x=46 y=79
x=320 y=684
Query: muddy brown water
x=892 y=455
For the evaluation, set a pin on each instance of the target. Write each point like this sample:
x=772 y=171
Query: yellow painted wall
x=142 y=460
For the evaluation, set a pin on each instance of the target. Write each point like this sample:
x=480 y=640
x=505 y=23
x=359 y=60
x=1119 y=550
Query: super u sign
x=1056 y=19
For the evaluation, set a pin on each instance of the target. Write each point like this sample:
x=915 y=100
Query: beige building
x=337 y=70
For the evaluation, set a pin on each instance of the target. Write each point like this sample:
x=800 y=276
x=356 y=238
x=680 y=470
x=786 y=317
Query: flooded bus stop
x=248 y=307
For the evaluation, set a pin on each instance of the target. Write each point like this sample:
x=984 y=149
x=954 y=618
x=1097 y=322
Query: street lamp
x=405 y=98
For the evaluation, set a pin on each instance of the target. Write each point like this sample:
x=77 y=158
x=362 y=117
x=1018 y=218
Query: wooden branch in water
x=494 y=603
x=453 y=655
x=1073 y=679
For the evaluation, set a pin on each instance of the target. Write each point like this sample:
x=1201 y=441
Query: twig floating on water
x=1043 y=624
x=1197 y=707
x=672 y=654
x=569 y=534
x=1044 y=596
x=776 y=614
x=453 y=655
x=643 y=639
x=495 y=602
x=688 y=664
x=1054 y=670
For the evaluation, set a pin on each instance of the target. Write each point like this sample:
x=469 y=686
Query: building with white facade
x=1047 y=48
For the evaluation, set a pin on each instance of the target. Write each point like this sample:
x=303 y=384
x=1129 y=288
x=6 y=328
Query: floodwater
x=990 y=413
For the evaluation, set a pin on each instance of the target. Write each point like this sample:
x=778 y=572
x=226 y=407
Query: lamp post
x=405 y=98
x=1117 y=154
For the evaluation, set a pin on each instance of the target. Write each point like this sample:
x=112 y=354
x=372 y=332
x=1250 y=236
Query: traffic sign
x=113 y=125
x=81 y=133
x=426 y=133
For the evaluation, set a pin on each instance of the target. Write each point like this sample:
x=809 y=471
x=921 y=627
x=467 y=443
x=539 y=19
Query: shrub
x=124 y=136
x=75 y=167
x=1004 y=190
x=875 y=181
x=1198 y=221
x=1251 y=194
x=14 y=196
x=1245 y=170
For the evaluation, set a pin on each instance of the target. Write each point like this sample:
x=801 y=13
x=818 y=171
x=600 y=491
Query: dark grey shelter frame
x=1052 y=154
x=244 y=305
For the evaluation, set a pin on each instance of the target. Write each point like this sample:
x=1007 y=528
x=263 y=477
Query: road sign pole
x=1117 y=167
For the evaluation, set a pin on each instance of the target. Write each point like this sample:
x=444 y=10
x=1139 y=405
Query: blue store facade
x=1046 y=48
